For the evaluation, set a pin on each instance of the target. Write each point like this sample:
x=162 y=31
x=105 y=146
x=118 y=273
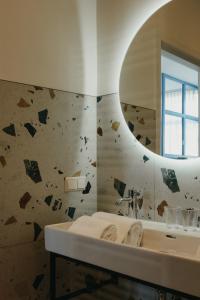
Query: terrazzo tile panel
x=45 y=135
x=124 y=163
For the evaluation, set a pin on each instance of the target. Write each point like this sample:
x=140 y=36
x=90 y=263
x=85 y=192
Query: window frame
x=181 y=115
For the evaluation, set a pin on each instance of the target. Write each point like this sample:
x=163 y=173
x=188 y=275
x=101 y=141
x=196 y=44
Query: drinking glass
x=189 y=219
x=173 y=217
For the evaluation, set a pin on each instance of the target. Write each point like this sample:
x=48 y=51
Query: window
x=180 y=116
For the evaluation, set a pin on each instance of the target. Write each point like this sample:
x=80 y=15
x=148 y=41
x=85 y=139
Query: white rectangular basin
x=181 y=243
x=167 y=258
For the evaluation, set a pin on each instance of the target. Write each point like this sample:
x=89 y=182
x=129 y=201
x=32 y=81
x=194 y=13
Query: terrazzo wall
x=45 y=135
x=124 y=163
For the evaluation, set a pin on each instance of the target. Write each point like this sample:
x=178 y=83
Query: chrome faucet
x=132 y=200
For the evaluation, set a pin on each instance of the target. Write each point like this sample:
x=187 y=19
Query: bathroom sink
x=181 y=243
x=168 y=258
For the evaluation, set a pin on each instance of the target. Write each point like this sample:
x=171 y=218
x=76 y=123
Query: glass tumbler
x=198 y=218
x=189 y=219
x=173 y=217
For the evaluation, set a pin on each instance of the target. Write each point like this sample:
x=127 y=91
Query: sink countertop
x=161 y=260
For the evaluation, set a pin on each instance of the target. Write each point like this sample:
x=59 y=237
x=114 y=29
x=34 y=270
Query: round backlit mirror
x=159 y=83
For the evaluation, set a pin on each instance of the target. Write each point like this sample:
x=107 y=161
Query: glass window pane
x=191 y=138
x=173 y=135
x=191 y=101
x=173 y=95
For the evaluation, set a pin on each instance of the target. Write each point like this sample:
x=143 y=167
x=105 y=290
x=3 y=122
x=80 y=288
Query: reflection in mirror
x=142 y=123
x=179 y=101
x=159 y=84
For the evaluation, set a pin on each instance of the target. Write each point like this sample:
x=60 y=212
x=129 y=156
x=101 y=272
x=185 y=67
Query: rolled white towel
x=94 y=227
x=129 y=230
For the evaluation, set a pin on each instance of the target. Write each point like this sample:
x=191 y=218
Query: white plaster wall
x=72 y=45
x=49 y=43
x=140 y=74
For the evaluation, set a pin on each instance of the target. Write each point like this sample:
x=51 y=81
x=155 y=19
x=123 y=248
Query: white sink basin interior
x=169 y=258
x=159 y=238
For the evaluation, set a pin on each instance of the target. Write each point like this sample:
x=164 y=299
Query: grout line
x=56 y=89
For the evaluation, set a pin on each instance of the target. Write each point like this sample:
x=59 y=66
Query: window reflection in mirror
x=180 y=107
x=159 y=82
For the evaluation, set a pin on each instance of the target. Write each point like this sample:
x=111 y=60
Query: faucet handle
x=131 y=193
x=135 y=192
x=120 y=200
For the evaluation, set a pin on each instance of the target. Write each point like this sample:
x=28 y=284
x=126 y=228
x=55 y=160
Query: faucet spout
x=132 y=199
